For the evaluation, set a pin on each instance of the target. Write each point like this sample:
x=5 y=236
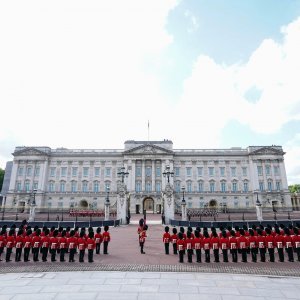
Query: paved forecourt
x=148 y=285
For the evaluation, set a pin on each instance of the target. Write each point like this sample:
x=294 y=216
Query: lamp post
x=32 y=205
x=167 y=173
x=122 y=174
x=258 y=208
x=183 y=206
x=107 y=204
x=3 y=206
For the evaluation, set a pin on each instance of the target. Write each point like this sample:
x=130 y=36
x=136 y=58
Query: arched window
x=189 y=186
x=96 y=186
x=51 y=186
x=212 y=186
x=157 y=186
x=148 y=186
x=234 y=186
x=138 y=186
x=200 y=186
x=246 y=186
x=270 y=185
x=27 y=185
x=223 y=186
x=62 y=186
x=85 y=186
x=73 y=186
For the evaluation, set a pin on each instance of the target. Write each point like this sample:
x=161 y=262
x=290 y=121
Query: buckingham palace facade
x=75 y=178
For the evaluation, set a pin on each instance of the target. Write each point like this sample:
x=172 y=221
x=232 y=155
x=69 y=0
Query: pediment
x=267 y=151
x=148 y=149
x=29 y=151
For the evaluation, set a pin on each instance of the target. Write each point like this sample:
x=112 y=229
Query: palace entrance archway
x=213 y=204
x=148 y=205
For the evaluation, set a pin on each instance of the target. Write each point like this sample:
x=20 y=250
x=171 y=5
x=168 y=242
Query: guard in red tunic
x=233 y=246
x=270 y=243
x=142 y=238
x=174 y=239
x=36 y=243
x=224 y=243
x=253 y=245
x=243 y=245
x=215 y=243
x=72 y=244
x=206 y=245
x=166 y=239
x=90 y=246
x=261 y=244
x=45 y=240
x=98 y=240
x=10 y=243
x=63 y=246
x=180 y=246
x=296 y=242
x=19 y=245
x=81 y=246
x=189 y=246
x=279 y=242
x=27 y=245
x=197 y=246
x=53 y=245
x=288 y=244
x=2 y=241
x=106 y=239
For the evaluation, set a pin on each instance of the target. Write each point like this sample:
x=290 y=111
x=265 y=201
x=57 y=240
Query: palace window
x=200 y=171
x=211 y=186
x=52 y=171
x=158 y=172
x=211 y=171
x=233 y=171
x=177 y=186
x=148 y=171
x=73 y=186
x=276 y=170
x=222 y=171
x=244 y=170
x=62 y=186
x=246 y=188
x=20 y=171
x=268 y=170
x=37 y=171
x=138 y=171
x=189 y=186
x=35 y=185
x=259 y=170
x=189 y=171
x=51 y=186
x=261 y=186
x=278 y=185
x=223 y=186
x=177 y=171
x=74 y=171
x=200 y=186
x=270 y=186
x=97 y=172
x=85 y=186
x=107 y=172
x=27 y=186
x=138 y=186
x=63 y=172
x=19 y=186
x=158 y=187
x=29 y=171
x=96 y=186
x=85 y=172
x=148 y=186
x=234 y=186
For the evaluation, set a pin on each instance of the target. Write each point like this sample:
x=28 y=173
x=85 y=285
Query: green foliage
x=295 y=188
x=1 y=178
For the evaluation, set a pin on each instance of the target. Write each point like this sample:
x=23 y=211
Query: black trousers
x=297 y=250
x=280 y=254
x=71 y=255
x=1 y=251
x=35 y=252
x=244 y=254
x=198 y=255
x=174 y=248
x=254 y=254
x=216 y=255
x=53 y=254
x=207 y=255
x=167 y=248
x=105 y=246
x=26 y=254
x=271 y=254
x=8 y=253
x=234 y=255
x=18 y=254
x=81 y=255
x=90 y=255
x=44 y=253
x=290 y=253
x=190 y=255
x=98 y=248
x=62 y=254
x=142 y=246
x=181 y=253
x=262 y=252
x=225 y=255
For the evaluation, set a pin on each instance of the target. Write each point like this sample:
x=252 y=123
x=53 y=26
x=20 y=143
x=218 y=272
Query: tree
x=1 y=177
x=295 y=188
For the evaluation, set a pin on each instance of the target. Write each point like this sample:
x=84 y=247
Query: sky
x=205 y=73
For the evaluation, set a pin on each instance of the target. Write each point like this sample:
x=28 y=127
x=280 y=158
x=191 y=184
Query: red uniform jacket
x=296 y=241
x=215 y=243
x=224 y=243
x=180 y=245
x=189 y=243
x=53 y=243
x=288 y=241
x=90 y=244
x=106 y=236
x=166 y=237
x=233 y=242
x=72 y=242
x=45 y=241
x=174 y=238
x=36 y=242
x=270 y=242
x=206 y=245
x=98 y=238
x=252 y=242
x=261 y=241
x=19 y=241
x=142 y=236
x=81 y=243
x=63 y=243
x=279 y=241
x=27 y=241
x=10 y=242
x=197 y=243
x=2 y=241
x=243 y=242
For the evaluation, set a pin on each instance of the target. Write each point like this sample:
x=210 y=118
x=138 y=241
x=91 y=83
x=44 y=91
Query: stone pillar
x=32 y=213
x=183 y=211
x=122 y=204
x=106 y=211
x=168 y=198
x=259 y=212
